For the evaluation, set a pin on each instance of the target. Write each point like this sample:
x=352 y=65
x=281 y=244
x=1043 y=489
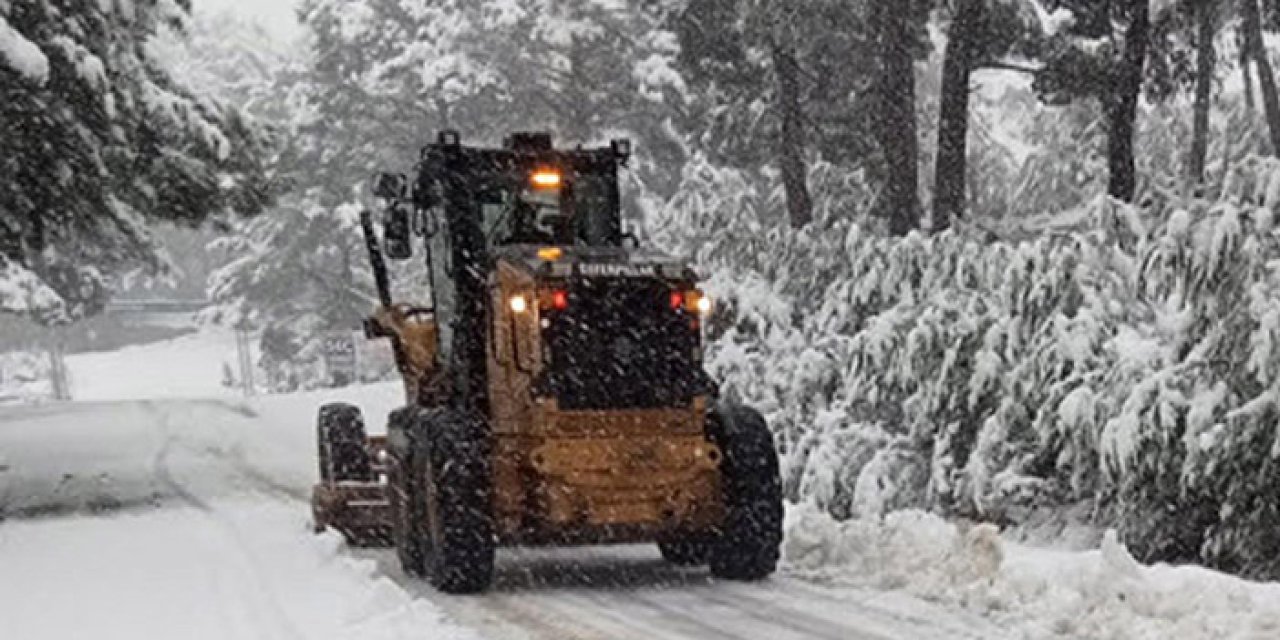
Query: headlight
x=695 y=301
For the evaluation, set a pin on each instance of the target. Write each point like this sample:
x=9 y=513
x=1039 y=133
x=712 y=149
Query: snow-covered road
x=167 y=507
x=630 y=593
x=185 y=518
x=149 y=529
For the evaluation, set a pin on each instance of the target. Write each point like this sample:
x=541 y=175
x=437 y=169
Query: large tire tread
x=747 y=547
x=461 y=540
x=405 y=497
x=340 y=436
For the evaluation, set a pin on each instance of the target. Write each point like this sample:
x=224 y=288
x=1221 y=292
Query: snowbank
x=24 y=376
x=189 y=366
x=1101 y=594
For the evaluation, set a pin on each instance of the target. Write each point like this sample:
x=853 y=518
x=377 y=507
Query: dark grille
x=619 y=345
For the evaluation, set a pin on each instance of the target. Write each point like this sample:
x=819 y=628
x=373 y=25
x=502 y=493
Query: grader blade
x=359 y=509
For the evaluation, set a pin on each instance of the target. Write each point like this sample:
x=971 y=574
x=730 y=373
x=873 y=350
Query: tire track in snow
x=809 y=595
x=502 y=616
x=258 y=600
x=614 y=596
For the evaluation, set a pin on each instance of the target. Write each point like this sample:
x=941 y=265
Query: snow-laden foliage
x=1126 y=362
x=23 y=292
x=23 y=375
x=99 y=141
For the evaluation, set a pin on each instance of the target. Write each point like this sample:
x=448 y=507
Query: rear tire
x=454 y=473
x=340 y=438
x=746 y=547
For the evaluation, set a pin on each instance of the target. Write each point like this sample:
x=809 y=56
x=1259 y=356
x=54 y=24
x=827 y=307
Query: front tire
x=340 y=438
x=747 y=544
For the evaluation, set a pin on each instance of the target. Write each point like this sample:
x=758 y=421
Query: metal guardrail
x=155 y=306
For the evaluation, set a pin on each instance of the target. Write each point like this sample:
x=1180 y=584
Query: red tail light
x=677 y=300
x=560 y=300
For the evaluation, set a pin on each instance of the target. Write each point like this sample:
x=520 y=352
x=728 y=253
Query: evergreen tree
x=1251 y=23
x=897 y=32
x=982 y=33
x=99 y=141
x=1103 y=55
x=1206 y=18
x=775 y=82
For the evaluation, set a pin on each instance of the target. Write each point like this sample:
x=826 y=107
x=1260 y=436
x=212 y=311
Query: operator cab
x=482 y=208
x=547 y=208
x=530 y=194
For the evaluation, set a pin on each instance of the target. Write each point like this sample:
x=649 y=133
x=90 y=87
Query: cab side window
x=444 y=294
x=496 y=215
x=593 y=211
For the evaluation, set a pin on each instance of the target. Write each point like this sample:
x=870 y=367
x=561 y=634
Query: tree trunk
x=1245 y=76
x=1121 y=103
x=895 y=115
x=1206 y=60
x=953 y=119
x=1266 y=80
x=791 y=143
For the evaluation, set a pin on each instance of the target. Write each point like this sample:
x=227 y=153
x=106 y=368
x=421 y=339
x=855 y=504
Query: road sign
x=339 y=350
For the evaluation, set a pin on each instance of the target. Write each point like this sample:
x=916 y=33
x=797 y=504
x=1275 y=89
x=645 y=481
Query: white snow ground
x=189 y=366
x=187 y=518
x=1100 y=594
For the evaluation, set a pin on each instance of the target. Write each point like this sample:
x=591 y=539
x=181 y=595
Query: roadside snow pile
x=190 y=366
x=1101 y=594
x=24 y=376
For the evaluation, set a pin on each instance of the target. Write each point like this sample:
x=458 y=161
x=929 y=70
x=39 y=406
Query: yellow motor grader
x=553 y=376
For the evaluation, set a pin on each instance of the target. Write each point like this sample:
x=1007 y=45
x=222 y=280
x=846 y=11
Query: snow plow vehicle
x=555 y=393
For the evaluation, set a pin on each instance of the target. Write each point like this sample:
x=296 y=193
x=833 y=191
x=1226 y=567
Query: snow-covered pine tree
x=1102 y=54
x=776 y=89
x=99 y=141
x=992 y=34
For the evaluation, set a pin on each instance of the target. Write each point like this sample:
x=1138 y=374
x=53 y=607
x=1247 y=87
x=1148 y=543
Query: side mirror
x=628 y=235
x=428 y=225
x=390 y=186
x=621 y=150
x=396 y=233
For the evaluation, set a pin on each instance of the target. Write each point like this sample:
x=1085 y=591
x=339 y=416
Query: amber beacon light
x=545 y=179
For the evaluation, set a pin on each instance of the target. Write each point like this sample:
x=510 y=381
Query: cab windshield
x=516 y=213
